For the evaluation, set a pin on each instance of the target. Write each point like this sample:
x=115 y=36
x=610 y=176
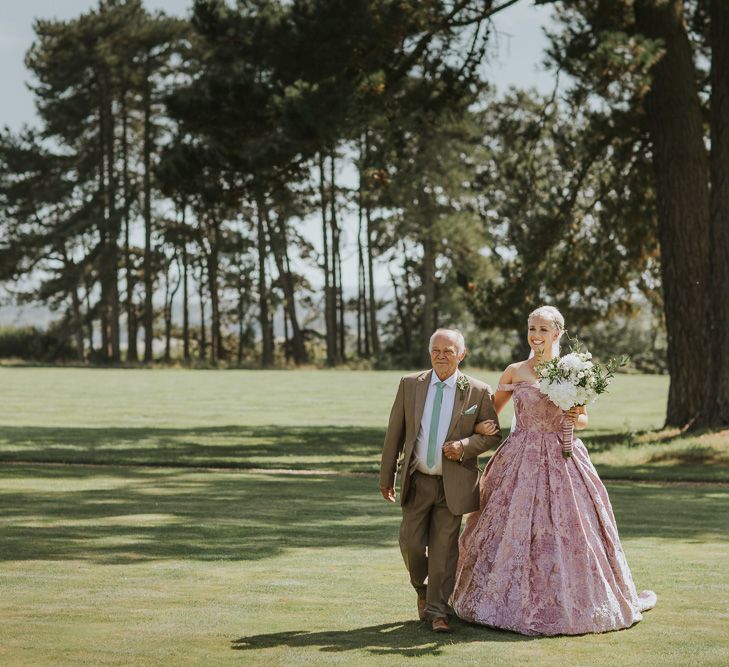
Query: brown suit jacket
x=460 y=480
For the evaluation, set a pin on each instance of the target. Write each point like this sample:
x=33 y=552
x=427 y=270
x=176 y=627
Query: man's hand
x=453 y=450
x=388 y=493
x=487 y=427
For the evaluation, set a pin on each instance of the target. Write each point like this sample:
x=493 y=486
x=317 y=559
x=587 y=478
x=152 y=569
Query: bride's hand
x=486 y=428
x=571 y=416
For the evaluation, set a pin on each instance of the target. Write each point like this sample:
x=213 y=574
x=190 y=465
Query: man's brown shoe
x=421 y=608
x=440 y=625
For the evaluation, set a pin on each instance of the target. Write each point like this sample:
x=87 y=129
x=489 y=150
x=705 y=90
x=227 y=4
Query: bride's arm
x=501 y=398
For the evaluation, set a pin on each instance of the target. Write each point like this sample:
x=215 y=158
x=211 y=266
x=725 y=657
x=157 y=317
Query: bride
x=542 y=556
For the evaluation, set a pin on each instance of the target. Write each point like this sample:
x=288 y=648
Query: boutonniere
x=463 y=384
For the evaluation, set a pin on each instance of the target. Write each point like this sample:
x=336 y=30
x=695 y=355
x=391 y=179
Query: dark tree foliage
x=190 y=176
x=636 y=63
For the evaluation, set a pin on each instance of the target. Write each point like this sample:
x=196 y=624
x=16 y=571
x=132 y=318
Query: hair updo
x=549 y=313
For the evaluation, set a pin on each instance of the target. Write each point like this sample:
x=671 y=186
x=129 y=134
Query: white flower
x=569 y=381
x=563 y=394
x=574 y=363
x=570 y=361
x=585 y=395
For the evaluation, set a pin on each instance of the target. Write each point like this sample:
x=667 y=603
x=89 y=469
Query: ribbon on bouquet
x=567 y=433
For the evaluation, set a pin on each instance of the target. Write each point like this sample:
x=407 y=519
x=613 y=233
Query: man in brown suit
x=431 y=426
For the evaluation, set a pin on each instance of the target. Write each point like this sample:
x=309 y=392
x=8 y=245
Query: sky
x=514 y=59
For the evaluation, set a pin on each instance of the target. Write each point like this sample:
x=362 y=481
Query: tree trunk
x=374 y=337
x=716 y=412
x=216 y=344
x=240 y=332
x=409 y=307
x=168 y=314
x=112 y=258
x=279 y=248
x=264 y=320
x=201 y=293
x=336 y=264
x=362 y=272
x=329 y=314
x=428 y=318
x=78 y=324
x=401 y=313
x=147 y=184
x=682 y=176
x=341 y=307
x=185 y=302
x=104 y=231
x=361 y=301
x=287 y=341
x=171 y=290
x=298 y=344
x=128 y=263
x=89 y=321
x=241 y=309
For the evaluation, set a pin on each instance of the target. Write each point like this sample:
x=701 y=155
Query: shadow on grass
x=677 y=469
x=235 y=446
x=336 y=449
x=128 y=515
x=599 y=441
x=680 y=513
x=410 y=639
x=332 y=448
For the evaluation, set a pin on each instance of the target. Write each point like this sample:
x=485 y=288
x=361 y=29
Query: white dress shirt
x=446 y=412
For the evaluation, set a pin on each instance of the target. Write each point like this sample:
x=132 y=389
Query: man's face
x=444 y=355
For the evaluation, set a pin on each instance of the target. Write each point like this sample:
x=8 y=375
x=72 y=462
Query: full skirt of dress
x=542 y=556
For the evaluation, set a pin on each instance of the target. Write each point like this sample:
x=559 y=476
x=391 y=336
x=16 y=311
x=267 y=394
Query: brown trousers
x=429 y=542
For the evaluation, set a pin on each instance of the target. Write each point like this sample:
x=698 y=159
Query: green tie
x=434 y=419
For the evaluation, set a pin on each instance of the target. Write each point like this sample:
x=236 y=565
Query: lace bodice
x=533 y=410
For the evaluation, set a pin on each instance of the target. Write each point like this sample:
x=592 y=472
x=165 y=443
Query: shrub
x=34 y=344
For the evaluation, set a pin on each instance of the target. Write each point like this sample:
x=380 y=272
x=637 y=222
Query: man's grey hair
x=460 y=340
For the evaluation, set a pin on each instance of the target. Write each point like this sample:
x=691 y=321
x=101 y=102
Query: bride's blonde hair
x=549 y=313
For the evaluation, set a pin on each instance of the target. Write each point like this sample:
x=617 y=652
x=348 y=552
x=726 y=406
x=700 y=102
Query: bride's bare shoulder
x=519 y=371
x=510 y=373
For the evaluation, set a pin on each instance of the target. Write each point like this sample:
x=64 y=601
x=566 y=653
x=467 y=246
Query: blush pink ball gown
x=542 y=556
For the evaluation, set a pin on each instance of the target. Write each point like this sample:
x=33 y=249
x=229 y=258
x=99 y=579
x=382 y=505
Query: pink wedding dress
x=542 y=556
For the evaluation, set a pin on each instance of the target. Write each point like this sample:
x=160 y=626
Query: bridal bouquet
x=574 y=381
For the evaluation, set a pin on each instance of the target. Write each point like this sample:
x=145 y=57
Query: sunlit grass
x=171 y=566
x=324 y=420
x=166 y=560
x=178 y=398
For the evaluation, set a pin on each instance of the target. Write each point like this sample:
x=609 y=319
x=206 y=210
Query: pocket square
x=471 y=410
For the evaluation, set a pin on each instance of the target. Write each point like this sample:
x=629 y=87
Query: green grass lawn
x=163 y=563
x=109 y=565
x=325 y=420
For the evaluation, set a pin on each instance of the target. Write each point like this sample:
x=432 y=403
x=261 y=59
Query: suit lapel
x=421 y=392
x=461 y=397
